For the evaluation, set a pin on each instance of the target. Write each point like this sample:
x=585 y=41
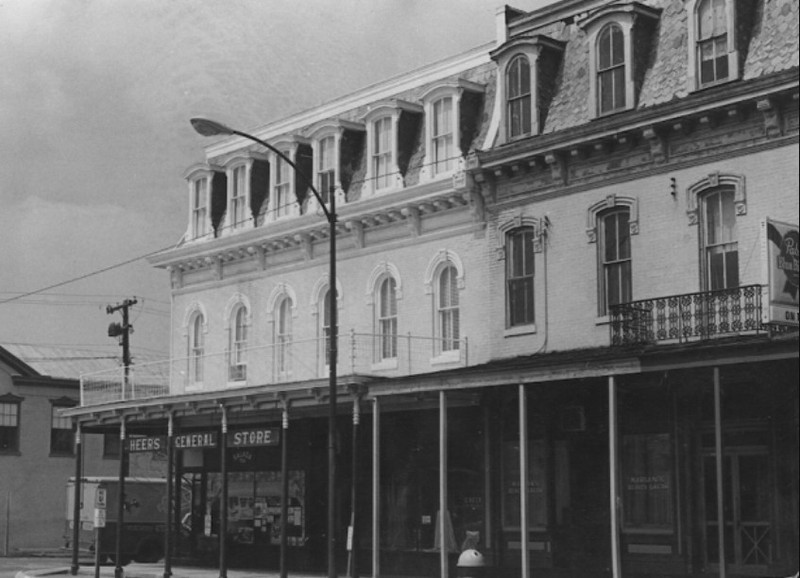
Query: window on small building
x=518 y=97
x=9 y=426
x=326 y=167
x=62 y=433
x=237 y=345
x=196 y=349
x=382 y=153
x=720 y=248
x=283 y=336
x=519 y=276
x=283 y=187
x=447 y=310
x=239 y=197
x=199 y=207
x=712 y=41
x=614 y=246
x=647 y=480
x=442 y=139
x=387 y=319
x=610 y=69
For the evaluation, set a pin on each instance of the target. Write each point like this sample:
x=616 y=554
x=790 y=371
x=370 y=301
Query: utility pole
x=123 y=331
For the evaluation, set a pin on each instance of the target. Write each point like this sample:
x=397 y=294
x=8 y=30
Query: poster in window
x=780 y=257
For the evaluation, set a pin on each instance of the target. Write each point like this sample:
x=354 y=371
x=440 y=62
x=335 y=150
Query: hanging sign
x=207 y=439
x=780 y=257
x=262 y=436
x=146 y=443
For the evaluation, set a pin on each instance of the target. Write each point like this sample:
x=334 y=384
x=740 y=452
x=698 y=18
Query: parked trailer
x=144 y=519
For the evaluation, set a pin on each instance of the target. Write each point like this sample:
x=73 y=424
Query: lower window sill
x=385 y=364
x=520 y=330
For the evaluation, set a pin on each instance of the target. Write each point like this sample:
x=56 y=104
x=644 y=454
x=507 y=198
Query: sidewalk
x=134 y=570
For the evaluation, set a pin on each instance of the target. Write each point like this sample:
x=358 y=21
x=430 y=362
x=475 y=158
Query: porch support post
x=376 y=488
x=613 y=476
x=118 y=572
x=354 y=541
x=443 y=513
x=525 y=552
x=284 y=486
x=170 y=492
x=76 y=501
x=720 y=481
x=223 y=507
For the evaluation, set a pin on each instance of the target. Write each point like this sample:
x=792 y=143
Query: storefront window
x=537 y=495
x=647 y=481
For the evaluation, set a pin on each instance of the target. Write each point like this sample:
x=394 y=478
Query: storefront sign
x=196 y=440
x=264 y=436
x=780 y=248
x=146 y=443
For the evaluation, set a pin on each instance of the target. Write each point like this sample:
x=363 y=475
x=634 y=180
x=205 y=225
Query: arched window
x=614 y=257
x=196 y=349
x=610 y=69
x=283 y=336
x=518 y=97
x=519 y=276
x=237 y=344
x=712 y=41
x=718 y=239
x=386 y=319
x=447 y=309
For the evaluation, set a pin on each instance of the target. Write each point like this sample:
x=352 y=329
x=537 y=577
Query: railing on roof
x=688 y=317
x=281 y=363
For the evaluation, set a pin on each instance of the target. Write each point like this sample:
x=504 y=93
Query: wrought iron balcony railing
x=284 y=362
x=688 y=317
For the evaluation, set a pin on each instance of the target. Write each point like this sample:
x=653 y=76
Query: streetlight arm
x=208 y=127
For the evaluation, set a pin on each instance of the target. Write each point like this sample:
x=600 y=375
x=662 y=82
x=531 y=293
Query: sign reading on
x=265 y=436
x=99 y=518
x=100 y=499
x=146 y=443
x=196 y=440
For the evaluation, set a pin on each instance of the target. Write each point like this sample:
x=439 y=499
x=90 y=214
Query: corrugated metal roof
x=64 y=362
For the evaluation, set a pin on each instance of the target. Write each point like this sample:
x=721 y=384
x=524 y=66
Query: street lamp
x=207 y=127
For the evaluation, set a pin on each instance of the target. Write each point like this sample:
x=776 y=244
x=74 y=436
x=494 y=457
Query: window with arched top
x=448 y=321
x=283 y=336
x=518 y=97
x=196 y=348
x=610 y=53
x=614 y=257
x=519 y=277
x=386 y=319
x=718 y=239
x=237 y=344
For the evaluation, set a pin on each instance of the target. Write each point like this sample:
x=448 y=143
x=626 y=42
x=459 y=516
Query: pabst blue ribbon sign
x=781 y=262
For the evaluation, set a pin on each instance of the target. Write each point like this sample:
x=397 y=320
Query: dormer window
x=246 y=176
x=238 y=198
x=451 y=110
x=614 y=32
x=326 y=167
x=528 y=66
x=610 y=69
x=390 y=129
x=518 y=97
x=206 y=192
x=287 y=191
x=337 y=147
x=713 y=57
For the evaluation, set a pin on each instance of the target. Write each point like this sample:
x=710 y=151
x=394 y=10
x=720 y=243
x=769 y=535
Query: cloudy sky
x=95 y=97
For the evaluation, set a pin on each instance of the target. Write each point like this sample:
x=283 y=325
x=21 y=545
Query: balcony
x=380 y=356
x=689 y=317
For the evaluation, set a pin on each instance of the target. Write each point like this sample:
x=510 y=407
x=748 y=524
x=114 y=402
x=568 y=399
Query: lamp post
x=207 y=127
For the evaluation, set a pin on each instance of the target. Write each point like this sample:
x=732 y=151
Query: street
x=10 y=566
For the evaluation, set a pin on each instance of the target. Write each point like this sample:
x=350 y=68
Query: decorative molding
x=610 y=202
x=383 y=269
x=714 y=180
x=316 y=294
x=235 y=300
x=280 y=291
x=413 y=220
x=658 y=145
x=442 y=257
x=195 y=308
x=772 y=117
x=558 y=167
x=356 y=227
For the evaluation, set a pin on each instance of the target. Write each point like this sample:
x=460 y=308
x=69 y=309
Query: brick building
x=566 y=262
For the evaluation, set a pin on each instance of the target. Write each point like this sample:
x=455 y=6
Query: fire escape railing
x=688 y=317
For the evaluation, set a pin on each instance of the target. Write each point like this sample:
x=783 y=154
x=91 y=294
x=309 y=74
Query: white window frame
x=320 y=134
x=434 y=167
x=196 y=342
x=238 y=216
x=283 y=337
x=238 y=321
x=444 y=259
x=282 y=202
x=379 y=274
x=200 y=226
x=626 y=15
x=615 y=263
x=319 y=307
x=694 y=42
x=724 y=197
x=386 y=114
